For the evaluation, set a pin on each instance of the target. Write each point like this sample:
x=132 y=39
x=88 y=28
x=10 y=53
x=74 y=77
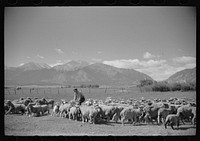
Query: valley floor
x=21 y=125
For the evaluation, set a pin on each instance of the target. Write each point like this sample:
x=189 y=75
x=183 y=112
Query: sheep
x=64 y=109
x=50 y=102
x=108 y=111
x=151 y=112
x=37 y=109
x=163 y=112
x=55 y=109
x=117 y=116
x=89 y=113
x=41 y=101
x=194 y=113
x=44 y=109
x=33 y=110
x=6 y=107
x=74 y=112
x=130 y=114
x=15 y=108
x=172 y=119
x=186 y=111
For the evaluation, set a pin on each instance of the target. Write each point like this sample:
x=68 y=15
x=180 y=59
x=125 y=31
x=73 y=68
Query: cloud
x=59 y=51
x=21 y=64
x=28 y=57
x=148 y=55
x=134 y=63
x=39 y=56
x=184 y=60
x=99 y=52
x=74 y=52
x=160 y=73
x=180 y=50
x=59 y=62
x=157 y=69
x=96 y=59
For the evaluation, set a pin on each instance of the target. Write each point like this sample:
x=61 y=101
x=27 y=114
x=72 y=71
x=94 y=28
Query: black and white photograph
x=100 y=71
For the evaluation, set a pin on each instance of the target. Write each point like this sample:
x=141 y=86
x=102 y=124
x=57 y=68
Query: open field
x=48 y=125
x=96 y=93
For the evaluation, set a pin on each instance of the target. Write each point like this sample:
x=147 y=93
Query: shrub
x=145 y=82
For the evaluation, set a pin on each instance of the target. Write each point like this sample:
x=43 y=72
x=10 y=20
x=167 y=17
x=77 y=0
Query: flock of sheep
x=166 y=111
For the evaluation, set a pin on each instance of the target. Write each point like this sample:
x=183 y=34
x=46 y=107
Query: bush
x=160 y=86
x=145 y=83
x=193 y=86
x=176 y=87
x=185 y=87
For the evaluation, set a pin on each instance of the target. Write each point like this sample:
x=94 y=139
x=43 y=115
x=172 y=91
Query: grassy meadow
x=57 y=93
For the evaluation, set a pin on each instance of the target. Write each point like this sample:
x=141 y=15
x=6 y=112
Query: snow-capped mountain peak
x=34 y=66
x=71 y=66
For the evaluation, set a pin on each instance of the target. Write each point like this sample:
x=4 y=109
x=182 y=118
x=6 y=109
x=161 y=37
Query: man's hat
x=75 y=89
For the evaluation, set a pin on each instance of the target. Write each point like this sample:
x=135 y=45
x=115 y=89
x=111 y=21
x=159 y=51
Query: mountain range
x=71 y=73
x=71 y=66
x=184 y=76
x=81 y=72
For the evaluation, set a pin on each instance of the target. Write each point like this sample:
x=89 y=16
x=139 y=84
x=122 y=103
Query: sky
x=157 y=41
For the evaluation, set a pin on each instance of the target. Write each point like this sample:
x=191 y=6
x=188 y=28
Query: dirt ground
x=21 y=125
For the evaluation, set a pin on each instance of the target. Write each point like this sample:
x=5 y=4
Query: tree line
x=165 y=86
x=82 y=86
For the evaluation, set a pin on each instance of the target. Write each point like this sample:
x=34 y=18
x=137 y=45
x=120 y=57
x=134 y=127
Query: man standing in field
x=78 y=97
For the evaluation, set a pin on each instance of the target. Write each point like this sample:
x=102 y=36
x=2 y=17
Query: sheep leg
x=122 y=120
x=115 y=117
x=70 y=116
x=94 y=122
x=158 y=119
x=163 y=120
x=177 y=124
x=52 y=113
x=83 y=119
x=182 y=121
x=10 y=109
x=193 y=120
x=76 y=118
x=66 y=114
x=141 y=118
x=61 y=113
x=166 y=122
x=90 y=119
x=172 y=126
x=150 y=119
x=135 y=120
x=146 y=119
x=108 y=118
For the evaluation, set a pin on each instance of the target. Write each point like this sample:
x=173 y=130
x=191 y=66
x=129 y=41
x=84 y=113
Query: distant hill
x=34 y=66
x=186 y=75
x=72 y=73
x=105 y=75
x=71 y=66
